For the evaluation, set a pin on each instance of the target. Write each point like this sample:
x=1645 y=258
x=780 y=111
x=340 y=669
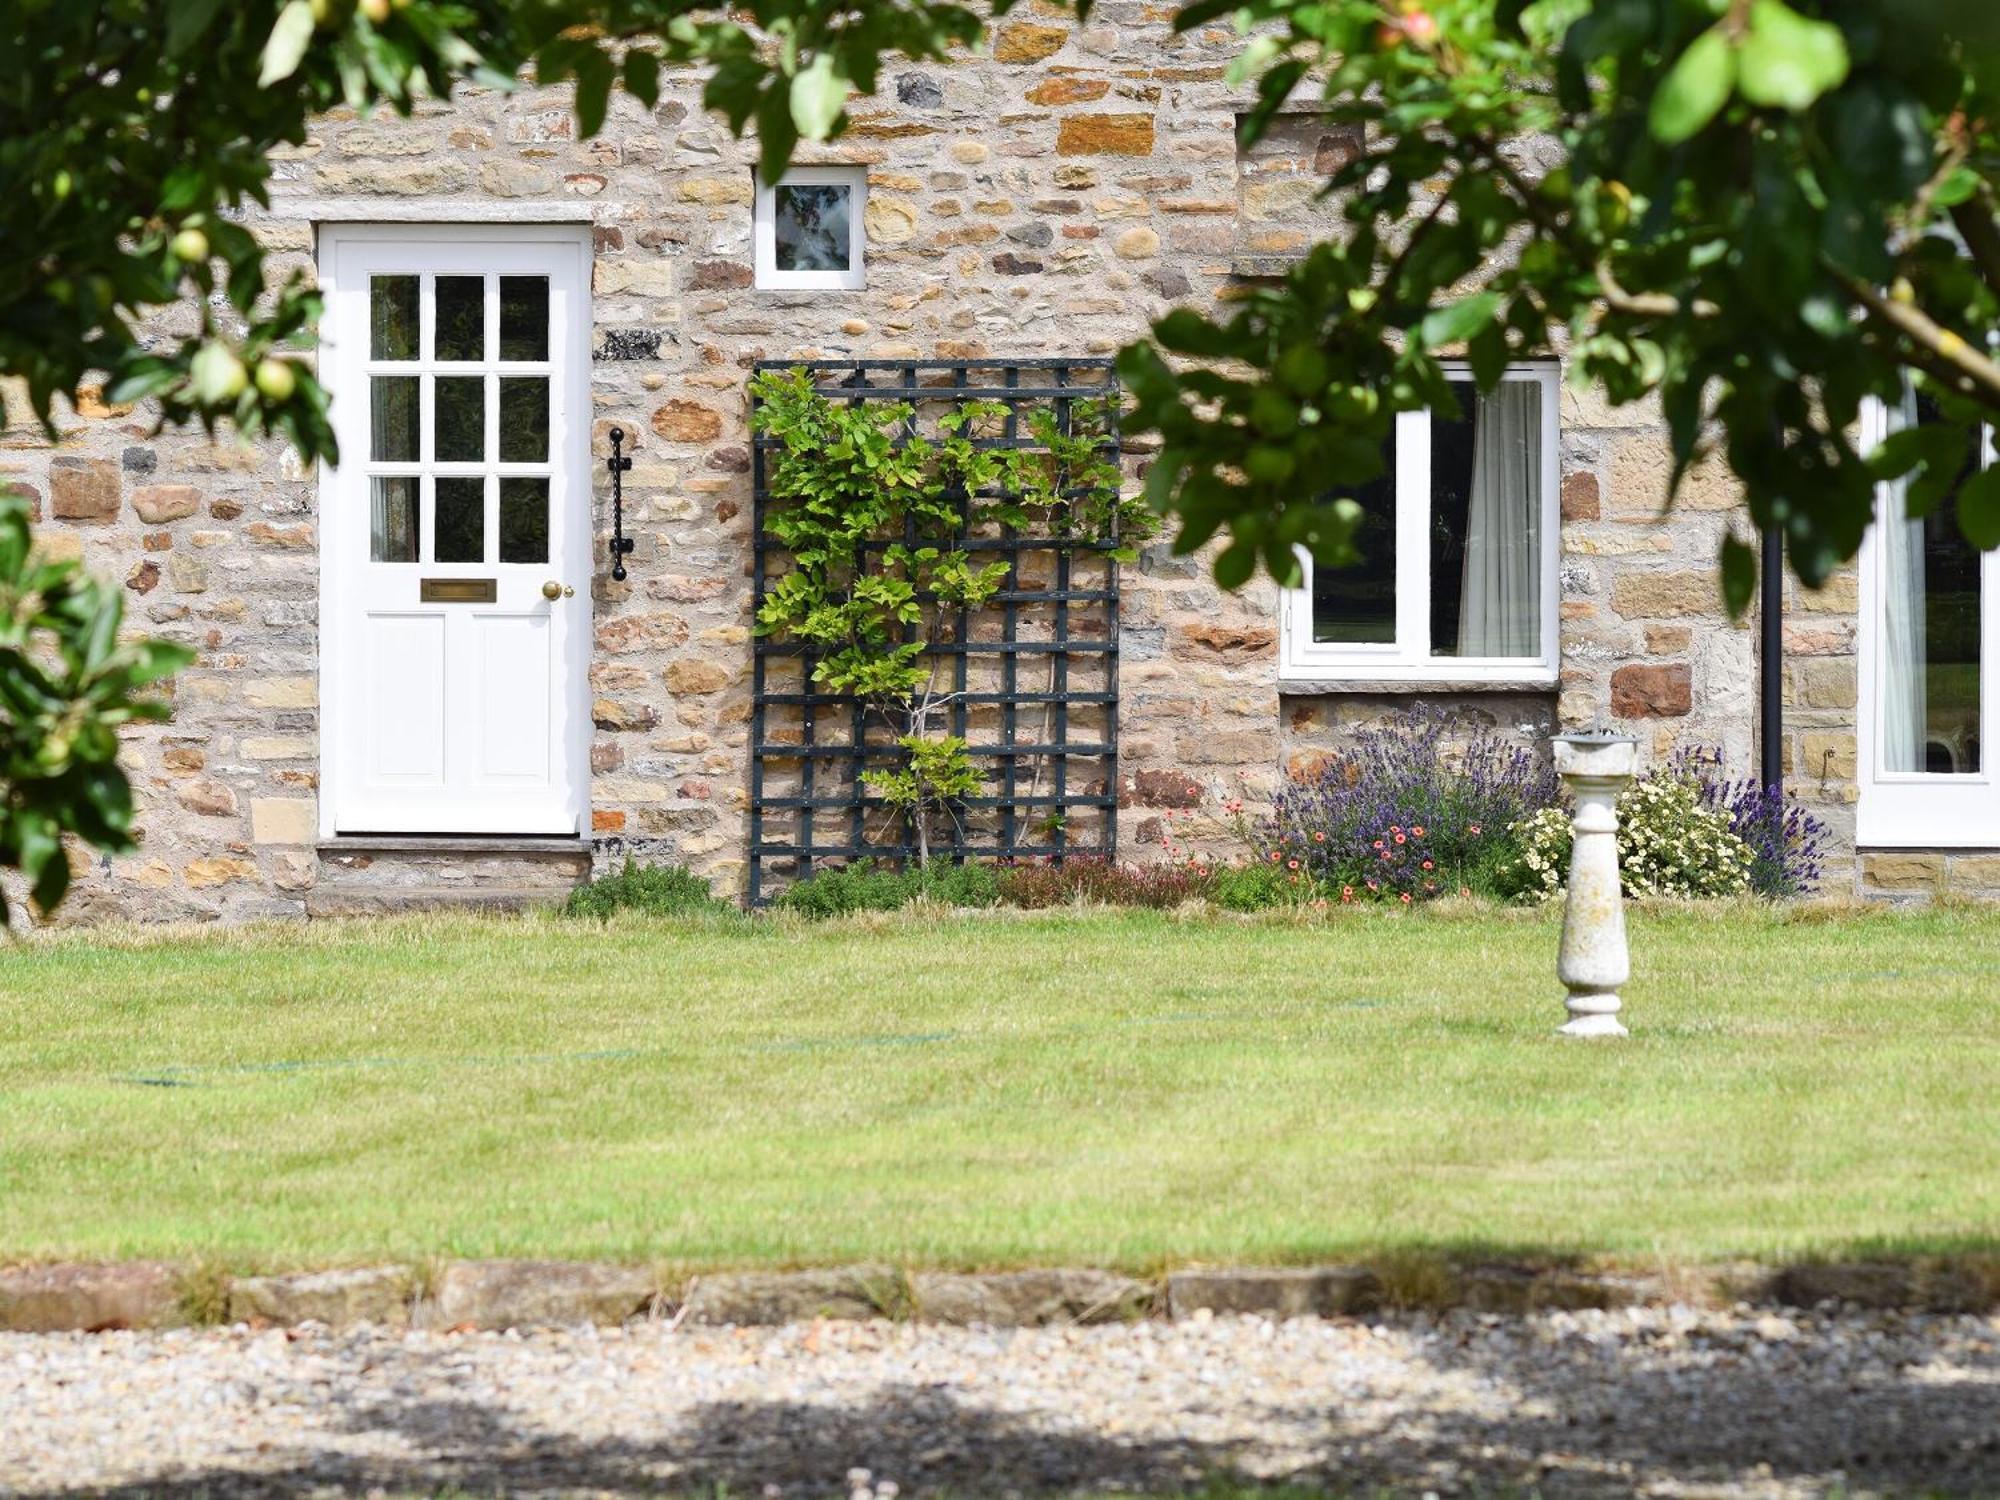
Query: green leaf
x=286 y=47
x=1695 y=88
x=1786 y=61
x=1979 y=509
x=1739 y=574
x=594 y=75
x=642 y=76
x=818 y=95
x=1456 y=322
x=1234 y=565
x=187 y=20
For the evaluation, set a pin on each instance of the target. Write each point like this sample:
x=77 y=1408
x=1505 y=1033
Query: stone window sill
x=1313 y=687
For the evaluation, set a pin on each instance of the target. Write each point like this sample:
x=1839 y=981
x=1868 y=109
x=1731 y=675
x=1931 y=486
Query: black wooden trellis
x=1029 y=701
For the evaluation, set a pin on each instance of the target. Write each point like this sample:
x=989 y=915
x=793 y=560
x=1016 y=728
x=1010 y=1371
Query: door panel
x=512 y=743
x=405 y=700
x=453 y=689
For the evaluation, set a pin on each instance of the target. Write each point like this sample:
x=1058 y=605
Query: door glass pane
x=1931 y=619
x=1486 y=523
x=392 y=522
x=392 y=317
x=458 y=418
x=524 y=317
x=1358 y=604
x=811 y=223
x=392 y=418
x=524 y=419
x=524 y=520
x=461 y=317
x=461 y=521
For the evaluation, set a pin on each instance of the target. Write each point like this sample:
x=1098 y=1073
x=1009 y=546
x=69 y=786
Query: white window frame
x=1919 y=809
x=764 y=236
x=1408 y=658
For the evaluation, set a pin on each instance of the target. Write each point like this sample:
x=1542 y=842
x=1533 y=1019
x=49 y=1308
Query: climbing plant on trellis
x=967 y=614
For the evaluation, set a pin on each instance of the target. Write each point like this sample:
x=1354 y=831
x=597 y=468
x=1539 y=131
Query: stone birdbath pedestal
x=1594 y=961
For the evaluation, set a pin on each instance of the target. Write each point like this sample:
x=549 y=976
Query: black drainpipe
x=1771 y=674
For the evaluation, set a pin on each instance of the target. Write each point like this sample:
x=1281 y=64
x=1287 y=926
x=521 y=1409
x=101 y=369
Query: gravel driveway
x=1658 y=1401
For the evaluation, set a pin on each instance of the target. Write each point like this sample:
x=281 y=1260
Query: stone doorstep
x=501 y=1294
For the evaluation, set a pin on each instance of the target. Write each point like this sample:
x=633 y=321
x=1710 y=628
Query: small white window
x=1930 y=632
x=1458 y=539
x=808 y=232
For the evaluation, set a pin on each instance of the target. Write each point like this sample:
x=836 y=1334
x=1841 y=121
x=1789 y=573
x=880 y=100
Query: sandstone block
x=1840 y=595
x=1029 y=1299
x=889 y=221
x=368 y=1294
x=1234 y=642
x=1654 y=595
x=1824 y=682
x=186 y=574
x=637 y=278
x=1829 y=757
x=1314 y=1292
x=1136 y=243
x=715 y=191
x=1903 y=872
x=1025 y=42
x=683 y=421
x=159 y=503
x=696 y=677
x=1065 y=90
x=86 y=1298
x=204 y=874
x=282 y=692
x=1974 y=872
x=1105 y=135
x=1641 y=465
x=283 y=820
x=84 y=489
x=539 y=1293
x=210 y=798
x=756 y=1298
x=1161 y=789
x=1652 y=692
x=1579 y=497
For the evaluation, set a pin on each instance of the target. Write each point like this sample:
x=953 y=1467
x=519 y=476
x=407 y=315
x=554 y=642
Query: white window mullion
x=1413 y=531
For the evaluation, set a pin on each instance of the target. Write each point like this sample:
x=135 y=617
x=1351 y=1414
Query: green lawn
x=1117 y=1089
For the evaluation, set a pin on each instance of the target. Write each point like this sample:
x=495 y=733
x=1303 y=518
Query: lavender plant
x=1401 y=815
x=1787 y=843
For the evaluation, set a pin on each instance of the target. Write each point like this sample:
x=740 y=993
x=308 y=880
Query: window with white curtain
x=1457 y=577
x=1930 y=629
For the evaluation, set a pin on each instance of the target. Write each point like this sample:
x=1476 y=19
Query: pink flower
x=1472 y=828
x=1401 y=839
x=1319 y=838
x=1406 y=898
x=1291 y=864
x=1373 y=886
x=1418 y=830
x=1347 y=893
x=1465 y=890
x=1427 y=864
x=1378 y=843
x=1276 y=856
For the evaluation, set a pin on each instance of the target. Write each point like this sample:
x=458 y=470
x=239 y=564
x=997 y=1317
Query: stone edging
x=498 y=1294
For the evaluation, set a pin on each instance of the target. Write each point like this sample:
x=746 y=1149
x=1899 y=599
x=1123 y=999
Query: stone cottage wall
x=1049 y=200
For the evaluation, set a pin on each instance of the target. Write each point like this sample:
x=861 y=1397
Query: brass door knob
x=552 y=590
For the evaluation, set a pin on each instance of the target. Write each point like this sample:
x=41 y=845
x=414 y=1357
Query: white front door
x=455 y=555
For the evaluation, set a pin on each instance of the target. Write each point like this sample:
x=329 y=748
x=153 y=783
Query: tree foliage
x=1761 y=212
x=67 y=685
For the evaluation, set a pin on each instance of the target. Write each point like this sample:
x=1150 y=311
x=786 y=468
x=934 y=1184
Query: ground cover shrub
x=1403 y=816
x=1670 y=843
x=1787 y=843
x=1260 y=887
x=1686 y=830
x=869 y=885
x=652 y=890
